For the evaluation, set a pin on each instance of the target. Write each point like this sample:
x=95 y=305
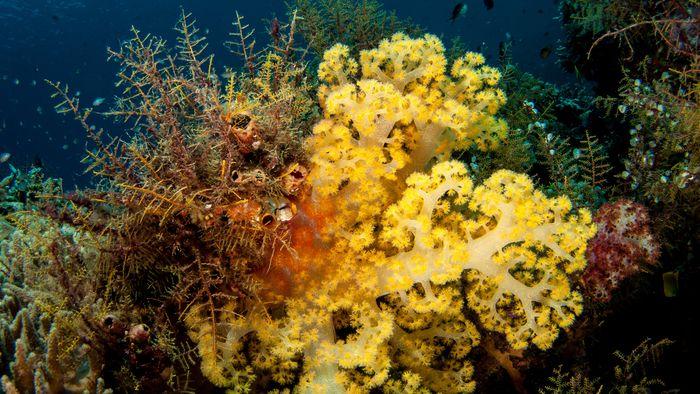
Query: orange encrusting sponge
x=294 y=263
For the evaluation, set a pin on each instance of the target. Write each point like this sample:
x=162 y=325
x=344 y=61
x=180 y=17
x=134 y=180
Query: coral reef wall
x=359 y=209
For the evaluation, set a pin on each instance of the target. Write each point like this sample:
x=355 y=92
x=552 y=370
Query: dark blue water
x=67 y=40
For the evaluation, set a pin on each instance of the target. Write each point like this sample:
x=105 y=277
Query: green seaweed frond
x=595 y=165
x=357 y=24
x=591 y=16
x=631 y=374
x=570 y=383
x=556 y=153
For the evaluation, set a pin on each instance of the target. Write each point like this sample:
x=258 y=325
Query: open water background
x=66 y=40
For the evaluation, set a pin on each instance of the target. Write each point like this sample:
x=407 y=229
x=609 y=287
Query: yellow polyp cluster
x=337 y=65
x=222 y=361
x=392 y=114
x=407 y=228
x=517 y=266
x=402 y=60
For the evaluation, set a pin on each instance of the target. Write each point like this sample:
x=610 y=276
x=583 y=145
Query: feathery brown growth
x=199 y=196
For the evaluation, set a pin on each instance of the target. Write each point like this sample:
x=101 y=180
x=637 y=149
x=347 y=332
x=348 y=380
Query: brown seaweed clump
x=193 y=202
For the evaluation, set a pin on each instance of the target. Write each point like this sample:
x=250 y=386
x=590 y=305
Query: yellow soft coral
x=391 y=227
x=221 y=359
x=518 y=263
x=389 y=120
x=450 y=111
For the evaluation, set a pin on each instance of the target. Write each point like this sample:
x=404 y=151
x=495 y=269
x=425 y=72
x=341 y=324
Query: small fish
x=33 y=82
x=488 y=4
x=98 y=101
x=5 y=157
x=55 y=17
x=39 y=110
x=459 y=10
x=545 y=52
x=16 y=81
x=77 y=94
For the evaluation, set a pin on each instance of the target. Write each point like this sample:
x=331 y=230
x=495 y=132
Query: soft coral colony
x=366 y=258
x=388 y=216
